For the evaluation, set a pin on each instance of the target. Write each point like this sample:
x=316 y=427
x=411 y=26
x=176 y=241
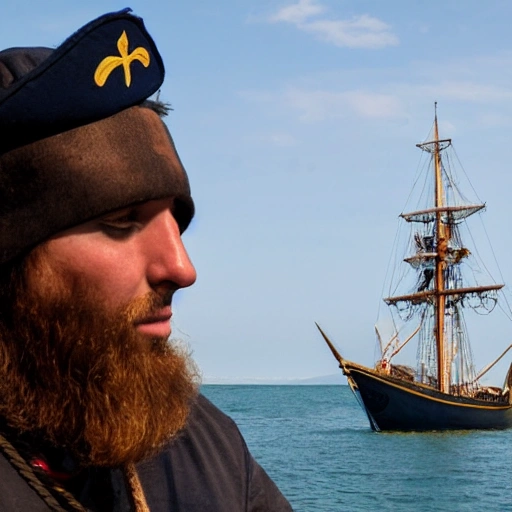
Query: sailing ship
x=443 y=391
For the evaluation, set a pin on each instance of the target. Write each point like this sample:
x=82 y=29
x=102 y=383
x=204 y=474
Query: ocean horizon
x=335 y=379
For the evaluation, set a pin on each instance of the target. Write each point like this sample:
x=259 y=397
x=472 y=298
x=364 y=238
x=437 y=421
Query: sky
x=297 y=122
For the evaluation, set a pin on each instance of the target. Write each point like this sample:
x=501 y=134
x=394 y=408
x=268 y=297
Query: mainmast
x=442 y=232
x=442 y=237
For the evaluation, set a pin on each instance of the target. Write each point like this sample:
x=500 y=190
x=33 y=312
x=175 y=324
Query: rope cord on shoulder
x=139 y=500
x=25 y=471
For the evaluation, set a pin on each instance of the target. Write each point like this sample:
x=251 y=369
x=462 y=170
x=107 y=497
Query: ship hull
x=392 y=404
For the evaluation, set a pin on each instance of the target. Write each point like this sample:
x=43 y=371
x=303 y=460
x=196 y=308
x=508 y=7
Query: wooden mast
x=442 y=237
x=438 y=291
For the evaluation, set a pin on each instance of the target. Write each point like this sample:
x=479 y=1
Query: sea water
x=316 y=444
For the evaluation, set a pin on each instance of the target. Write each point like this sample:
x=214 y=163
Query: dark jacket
x=208 y=468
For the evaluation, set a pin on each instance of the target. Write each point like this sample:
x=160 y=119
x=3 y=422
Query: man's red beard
x=86 y=380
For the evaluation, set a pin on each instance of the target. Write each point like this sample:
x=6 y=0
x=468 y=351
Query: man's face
x=90 y=366
x=124 y=256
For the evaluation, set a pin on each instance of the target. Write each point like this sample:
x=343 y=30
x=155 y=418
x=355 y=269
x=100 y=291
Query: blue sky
x=297 y=122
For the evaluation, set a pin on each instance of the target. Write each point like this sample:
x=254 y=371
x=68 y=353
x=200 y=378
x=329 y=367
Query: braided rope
x=139 y=500
x=26 y=471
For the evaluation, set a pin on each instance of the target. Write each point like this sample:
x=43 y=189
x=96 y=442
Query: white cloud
x=480 y=86
x=359 y=32
x=468 y=91
x=297 y=13
x=319 y=105
x=375 y=105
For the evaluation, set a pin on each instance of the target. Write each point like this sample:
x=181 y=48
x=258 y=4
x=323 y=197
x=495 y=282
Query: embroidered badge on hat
x=107 y=66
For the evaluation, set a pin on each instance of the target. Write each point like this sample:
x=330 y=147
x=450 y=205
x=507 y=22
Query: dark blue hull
x=393 y=404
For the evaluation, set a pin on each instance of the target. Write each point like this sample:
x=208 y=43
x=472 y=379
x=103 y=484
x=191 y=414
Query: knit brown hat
x=75 y=141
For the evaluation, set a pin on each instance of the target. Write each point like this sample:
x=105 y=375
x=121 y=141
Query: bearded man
x=98 y=410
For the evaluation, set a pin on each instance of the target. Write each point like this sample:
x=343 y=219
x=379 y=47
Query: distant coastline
x=334 y=379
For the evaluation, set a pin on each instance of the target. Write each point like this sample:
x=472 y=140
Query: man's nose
x=168 y=263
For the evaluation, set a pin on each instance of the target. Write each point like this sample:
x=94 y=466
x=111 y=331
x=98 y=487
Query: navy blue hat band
x=108 y=65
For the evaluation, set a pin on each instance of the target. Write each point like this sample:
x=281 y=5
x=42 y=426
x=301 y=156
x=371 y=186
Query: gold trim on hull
x=454 y=399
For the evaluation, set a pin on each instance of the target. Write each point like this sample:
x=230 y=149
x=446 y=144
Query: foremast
x=440 y=256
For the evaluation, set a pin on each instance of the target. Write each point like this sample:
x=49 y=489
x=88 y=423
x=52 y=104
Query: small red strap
x=43 y=465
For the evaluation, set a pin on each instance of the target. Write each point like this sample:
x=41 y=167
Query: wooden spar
x=425 y=145
x=423 y=296
x=380 y=341
x=395 y=352
x=335 y=353
x=444 y=209
x=489 y=366
x=394 y=337
x=439 y=263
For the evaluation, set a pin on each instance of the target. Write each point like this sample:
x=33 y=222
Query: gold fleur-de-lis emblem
x=108 y=64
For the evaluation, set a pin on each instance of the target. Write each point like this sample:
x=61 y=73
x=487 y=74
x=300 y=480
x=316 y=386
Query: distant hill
x=334 y=379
